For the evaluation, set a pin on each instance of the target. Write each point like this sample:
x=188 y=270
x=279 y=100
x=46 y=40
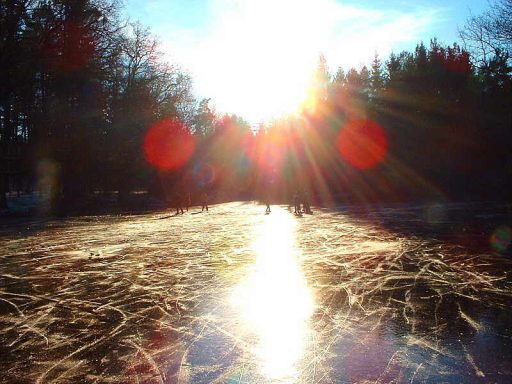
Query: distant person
x=266 y=200
x=178 y=203
x=296 y=203
x=306 y=204
x=204 y=202
x=188 y=202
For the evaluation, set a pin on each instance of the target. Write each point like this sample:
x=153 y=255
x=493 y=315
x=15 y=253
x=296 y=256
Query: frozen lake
x=236 y=296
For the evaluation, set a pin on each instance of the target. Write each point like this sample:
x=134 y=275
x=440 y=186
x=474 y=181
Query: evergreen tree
x=377 y=78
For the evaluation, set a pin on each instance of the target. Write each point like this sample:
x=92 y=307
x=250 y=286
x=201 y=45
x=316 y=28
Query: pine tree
x=377 y=78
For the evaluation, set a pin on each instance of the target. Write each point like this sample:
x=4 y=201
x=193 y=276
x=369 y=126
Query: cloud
x=262 y=51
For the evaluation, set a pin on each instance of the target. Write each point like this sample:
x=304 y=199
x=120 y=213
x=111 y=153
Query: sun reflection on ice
x=274 y=299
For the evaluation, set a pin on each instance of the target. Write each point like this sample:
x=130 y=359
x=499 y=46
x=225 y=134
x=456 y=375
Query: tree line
x=80 y=88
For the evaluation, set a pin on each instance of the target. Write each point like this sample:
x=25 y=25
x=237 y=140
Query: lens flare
x=79 y=53
x=48 y=172
x=434 y=214
x=204 y=174
x=267 y=153
x=501 y=239
x=362 y=143
x=168 y=145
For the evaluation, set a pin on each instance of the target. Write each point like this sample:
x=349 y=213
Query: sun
x=255 y=58
x=262 y=57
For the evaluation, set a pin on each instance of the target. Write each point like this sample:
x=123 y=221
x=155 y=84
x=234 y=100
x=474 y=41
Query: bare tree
x=489 y=35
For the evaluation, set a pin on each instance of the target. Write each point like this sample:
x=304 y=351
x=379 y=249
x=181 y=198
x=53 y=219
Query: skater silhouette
x=178 y=203
x=266 y=201
x=306 y=203
x=296 y=203
x=188 y=201
x=204 y=202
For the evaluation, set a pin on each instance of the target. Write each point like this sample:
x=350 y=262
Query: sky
x=254 y=58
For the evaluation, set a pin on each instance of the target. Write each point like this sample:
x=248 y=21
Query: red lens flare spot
x=362 y=143
x=168 y=145
x=267 y=152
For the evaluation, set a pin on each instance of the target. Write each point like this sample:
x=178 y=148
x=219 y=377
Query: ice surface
x=237 y=296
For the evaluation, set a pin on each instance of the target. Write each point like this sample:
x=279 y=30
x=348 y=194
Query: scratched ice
x=236 y=296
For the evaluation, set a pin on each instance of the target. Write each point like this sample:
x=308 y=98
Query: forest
x=89 y=107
